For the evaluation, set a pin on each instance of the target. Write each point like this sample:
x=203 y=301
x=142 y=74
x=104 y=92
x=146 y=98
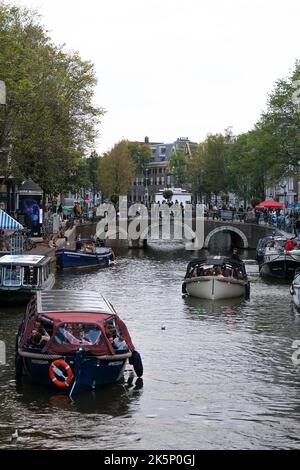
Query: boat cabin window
x=12 y=276
x=77 y=333
x=30 y=277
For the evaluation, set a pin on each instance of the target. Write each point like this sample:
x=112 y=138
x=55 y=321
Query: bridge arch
x=226 y=228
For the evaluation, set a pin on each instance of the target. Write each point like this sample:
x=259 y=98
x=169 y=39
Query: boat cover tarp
x=9 y=223
x=59 y=318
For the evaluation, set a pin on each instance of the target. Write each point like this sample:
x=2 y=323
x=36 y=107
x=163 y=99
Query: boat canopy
x=73 y=301
x=60 y=309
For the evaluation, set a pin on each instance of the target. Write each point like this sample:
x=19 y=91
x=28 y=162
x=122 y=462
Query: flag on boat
x=8 y=223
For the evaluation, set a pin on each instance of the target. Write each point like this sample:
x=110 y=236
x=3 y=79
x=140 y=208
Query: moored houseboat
x=22 y=275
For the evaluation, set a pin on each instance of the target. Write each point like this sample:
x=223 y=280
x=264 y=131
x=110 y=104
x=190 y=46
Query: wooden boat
x=22 y=275
x=216 y=278
x=86 y=254
x=74 y=349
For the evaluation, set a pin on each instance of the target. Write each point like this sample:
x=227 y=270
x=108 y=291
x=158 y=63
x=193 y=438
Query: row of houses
x=157 y=175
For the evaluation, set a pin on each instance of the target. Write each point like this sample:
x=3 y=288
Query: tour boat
x=74 y=348
x=22 y=275
x=86 y=254
x=274 y=260
x=216 y=278
x=295 y=289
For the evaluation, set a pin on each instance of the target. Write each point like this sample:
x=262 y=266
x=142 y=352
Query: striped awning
x=8 y=223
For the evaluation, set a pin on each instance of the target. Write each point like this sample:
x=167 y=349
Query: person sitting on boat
x=90 y=248
x=116 y=340
x=200 y=271
x=120 y=343
x=218 y=271
x=289 y=245
x=78 y=242
x=72 y=334
x=278 y=248
x=226 y=271
x=240 y=274
x=38 y=340
x=39 y=327
x=208 y=272
x=110 y=331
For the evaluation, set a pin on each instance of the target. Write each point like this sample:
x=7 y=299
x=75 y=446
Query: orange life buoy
x=66 y=373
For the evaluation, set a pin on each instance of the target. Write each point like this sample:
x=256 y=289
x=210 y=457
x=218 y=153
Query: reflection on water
x=218 y=374
x=113 y=400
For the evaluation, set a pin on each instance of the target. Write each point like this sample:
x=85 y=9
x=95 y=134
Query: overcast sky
x=177 y=68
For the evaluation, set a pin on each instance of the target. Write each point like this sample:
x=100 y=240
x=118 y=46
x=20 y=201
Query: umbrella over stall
x=269 y=204
x=9 y=223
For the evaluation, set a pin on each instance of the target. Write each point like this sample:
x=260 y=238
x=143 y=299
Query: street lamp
x=283 y=186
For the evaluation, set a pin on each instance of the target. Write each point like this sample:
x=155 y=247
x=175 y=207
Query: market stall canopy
x=269 y=204
x=8 y=223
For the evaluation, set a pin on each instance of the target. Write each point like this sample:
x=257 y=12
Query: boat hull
x=91 y=373
x=21 y=295
x=282 y=267
x=75 y=259
x=214 y=288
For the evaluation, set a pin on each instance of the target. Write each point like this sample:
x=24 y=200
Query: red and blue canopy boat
x=78 y=343
x=87 y=253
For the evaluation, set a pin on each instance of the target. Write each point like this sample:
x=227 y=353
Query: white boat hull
x=215 y=287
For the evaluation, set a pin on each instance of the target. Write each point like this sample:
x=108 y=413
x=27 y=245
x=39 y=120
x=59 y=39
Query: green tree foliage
x=50 y=121
x=215 y=164
x=195 y=171
x=178 y=167
x=117 y=170
x=140 y=155
x=281 y=124
x=168 y=194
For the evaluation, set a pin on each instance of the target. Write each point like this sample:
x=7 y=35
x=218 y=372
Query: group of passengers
x=277 y=246
x=76 y=333
x=220 y=270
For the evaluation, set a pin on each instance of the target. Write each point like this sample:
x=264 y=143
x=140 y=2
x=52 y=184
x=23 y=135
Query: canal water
x=217 y=375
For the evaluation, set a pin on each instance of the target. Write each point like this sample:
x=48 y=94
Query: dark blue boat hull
x=91 y=373
x=77 y=259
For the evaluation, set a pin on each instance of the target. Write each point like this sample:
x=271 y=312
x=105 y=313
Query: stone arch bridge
x=243 y=235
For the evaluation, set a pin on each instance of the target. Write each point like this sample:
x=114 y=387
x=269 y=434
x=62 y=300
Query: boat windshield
x=77 y=333
x=12 y=276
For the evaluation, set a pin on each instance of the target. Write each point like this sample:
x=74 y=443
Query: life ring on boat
x=66 y=373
